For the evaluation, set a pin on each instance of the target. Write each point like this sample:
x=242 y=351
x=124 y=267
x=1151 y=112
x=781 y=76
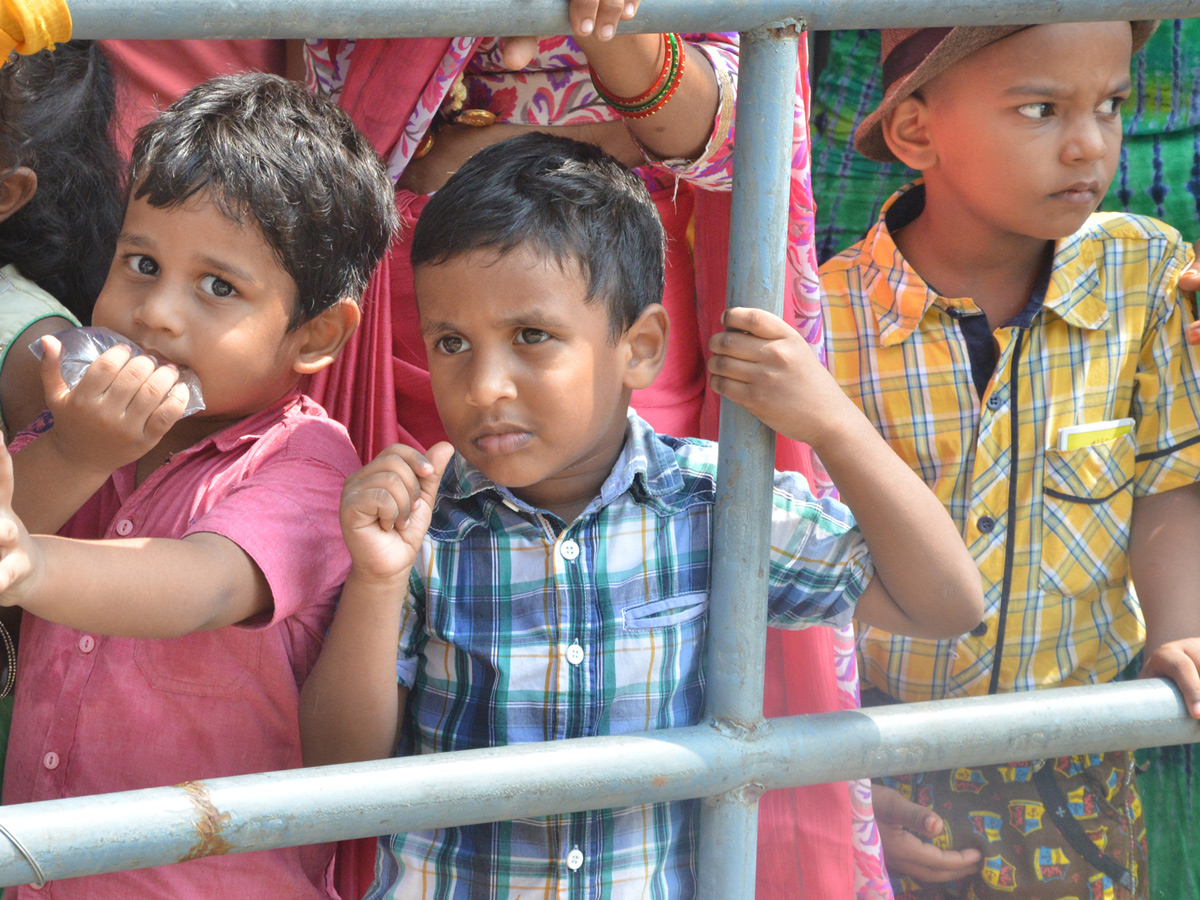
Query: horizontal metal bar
x=467 y=18
x=110 y=832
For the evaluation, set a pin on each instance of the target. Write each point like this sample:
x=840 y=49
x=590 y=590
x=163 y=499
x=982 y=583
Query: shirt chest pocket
x=664 y=612
x=1087 y=508
x=206 y=663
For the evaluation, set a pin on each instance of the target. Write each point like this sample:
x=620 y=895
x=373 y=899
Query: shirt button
x=568 y=550
x=986 y=524
x=50 y=760
x=994 y=402
x=575 y=654
x=979 y=630
x=575 y=859
x=124 y=527
x=87 y=643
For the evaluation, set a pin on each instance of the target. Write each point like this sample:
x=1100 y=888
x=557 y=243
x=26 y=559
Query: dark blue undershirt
x=974 y=327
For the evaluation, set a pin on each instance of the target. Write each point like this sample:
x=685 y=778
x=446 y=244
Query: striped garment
x=1049 y=529
x=521 y=628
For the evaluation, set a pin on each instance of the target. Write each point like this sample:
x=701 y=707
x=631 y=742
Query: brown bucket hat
x=913 y=56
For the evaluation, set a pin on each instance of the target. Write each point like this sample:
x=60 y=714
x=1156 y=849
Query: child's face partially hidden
x=1027 y=131
x=192 y=288
x=529 y=385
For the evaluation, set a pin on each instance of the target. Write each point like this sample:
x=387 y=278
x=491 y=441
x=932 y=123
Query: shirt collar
x=901 y=298
x=254 y=426
x=646 y=469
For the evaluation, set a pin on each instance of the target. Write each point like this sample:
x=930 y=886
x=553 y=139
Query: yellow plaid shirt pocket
x=1088 y=504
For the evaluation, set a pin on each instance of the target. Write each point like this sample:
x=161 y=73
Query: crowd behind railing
x=334 y=461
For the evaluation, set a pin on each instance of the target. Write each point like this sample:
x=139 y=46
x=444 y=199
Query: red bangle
x=654 y=88
x=660 y=92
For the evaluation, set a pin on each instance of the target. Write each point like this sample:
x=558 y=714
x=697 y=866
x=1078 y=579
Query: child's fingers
x=394 y=471
x=741 y=370
x=1179 y=661
x=52 y=381
x=736 y=345
x=757 y=322
x=517 y=52
x=597 y=17
x=169 y=410
x=1191 y=334
x=102 y=374
x=155 y=390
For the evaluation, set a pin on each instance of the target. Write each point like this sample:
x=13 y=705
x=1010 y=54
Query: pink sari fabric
x=811 y=839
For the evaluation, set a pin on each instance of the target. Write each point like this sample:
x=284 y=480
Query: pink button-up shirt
x=97 y=713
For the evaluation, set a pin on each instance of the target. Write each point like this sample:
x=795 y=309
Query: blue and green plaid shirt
x=521 y=628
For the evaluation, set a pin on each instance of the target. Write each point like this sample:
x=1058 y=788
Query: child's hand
x=589 y=19
x=20 y=556
x=386 y=507
x=762 y=363
x=120 y=409
x=905 y=832
x=1179 y=661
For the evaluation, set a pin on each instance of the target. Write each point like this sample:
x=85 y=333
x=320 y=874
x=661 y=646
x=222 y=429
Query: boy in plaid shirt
x=553 y=582
x=1027 y=358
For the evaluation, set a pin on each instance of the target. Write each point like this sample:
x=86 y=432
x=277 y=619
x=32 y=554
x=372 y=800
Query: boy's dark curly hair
x=271 y=153
x=55 y=111
x=569 y=201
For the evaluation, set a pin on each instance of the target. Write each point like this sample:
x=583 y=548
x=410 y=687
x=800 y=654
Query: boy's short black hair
x=270 y=152
x=571 y=201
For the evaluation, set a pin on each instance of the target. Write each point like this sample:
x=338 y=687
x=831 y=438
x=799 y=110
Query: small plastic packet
x=82 y=346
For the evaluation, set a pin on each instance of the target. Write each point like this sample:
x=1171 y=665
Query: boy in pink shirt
x=183 y=601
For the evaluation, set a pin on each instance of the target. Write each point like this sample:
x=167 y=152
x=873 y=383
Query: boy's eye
x=452 y=344
x=1112 y=106
x=531 y=336
x=1036 y=110
x=143 y=265
x=218 y=287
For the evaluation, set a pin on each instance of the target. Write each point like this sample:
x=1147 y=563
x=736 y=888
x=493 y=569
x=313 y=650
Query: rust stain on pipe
x=209 y=822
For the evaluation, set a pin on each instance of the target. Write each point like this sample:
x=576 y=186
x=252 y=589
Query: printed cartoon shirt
x=520 y=628
x=1048 y=527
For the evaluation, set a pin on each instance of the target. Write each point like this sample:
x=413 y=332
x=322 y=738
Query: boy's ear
x=325 y=335
x=17 y=189
x=906 y=130
x=645 y=344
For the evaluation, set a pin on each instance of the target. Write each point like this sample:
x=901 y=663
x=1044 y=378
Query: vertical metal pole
x=737 y=614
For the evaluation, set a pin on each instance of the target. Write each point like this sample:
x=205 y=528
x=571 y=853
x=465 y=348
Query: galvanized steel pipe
x=105 y=833
x=466 y=18
x=737 y=614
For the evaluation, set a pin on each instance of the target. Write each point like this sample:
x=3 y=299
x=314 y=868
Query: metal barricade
x=736 y=754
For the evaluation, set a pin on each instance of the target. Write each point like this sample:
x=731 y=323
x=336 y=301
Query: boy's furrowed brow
x=1033 y=89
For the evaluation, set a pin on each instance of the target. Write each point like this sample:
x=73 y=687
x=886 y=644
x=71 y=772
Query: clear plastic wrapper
x=82 y=346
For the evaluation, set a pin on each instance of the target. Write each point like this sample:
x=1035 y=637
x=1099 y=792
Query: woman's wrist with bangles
x=659 y=93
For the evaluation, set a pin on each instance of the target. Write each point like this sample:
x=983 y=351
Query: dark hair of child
x=55 y=108
x=270 y=152
x=570 y=201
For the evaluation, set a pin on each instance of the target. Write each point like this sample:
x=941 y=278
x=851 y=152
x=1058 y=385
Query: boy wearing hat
x=1026 y=357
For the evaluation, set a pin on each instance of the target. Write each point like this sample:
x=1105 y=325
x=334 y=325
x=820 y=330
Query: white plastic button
x=569 y=550
x=87 y=643
x=575 y=654
x=124 y=527
x=50 y=760
x=575 y=859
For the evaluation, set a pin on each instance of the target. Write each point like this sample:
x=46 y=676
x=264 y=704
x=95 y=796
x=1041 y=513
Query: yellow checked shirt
x=1048 y=528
